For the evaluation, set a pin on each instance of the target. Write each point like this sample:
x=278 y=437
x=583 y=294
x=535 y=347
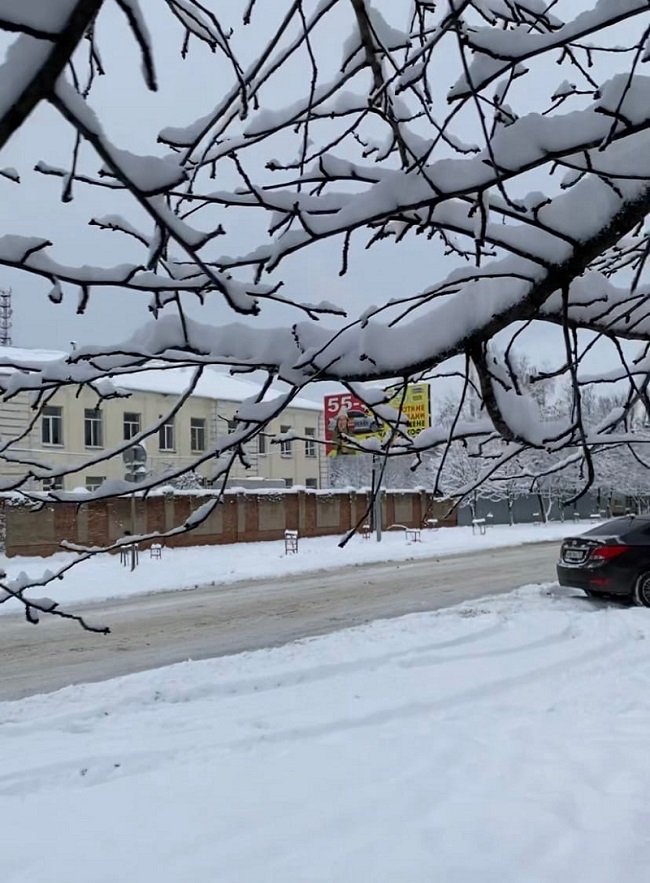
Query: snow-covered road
x=158 y=629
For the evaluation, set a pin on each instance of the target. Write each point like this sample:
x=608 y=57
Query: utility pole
x=6 y=312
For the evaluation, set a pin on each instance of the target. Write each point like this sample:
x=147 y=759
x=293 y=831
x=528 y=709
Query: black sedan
x=611 y=560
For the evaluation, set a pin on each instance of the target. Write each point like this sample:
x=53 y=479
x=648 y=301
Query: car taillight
x=606 y=553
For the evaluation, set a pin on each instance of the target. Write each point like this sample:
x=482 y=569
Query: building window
x=311 y=483
x=261 y=443
x=52 y=425
x=286 y=445
x=93 y=428
x=288 y=482
x=166 y=436
x=132 y=424
x=197 y=434
x=310 y=443
x=94 y=482
x=53 y=484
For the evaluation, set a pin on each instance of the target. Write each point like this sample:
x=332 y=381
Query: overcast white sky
x=132 y=117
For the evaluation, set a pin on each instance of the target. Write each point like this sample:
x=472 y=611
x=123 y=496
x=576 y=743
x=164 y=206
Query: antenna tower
x=6 y=313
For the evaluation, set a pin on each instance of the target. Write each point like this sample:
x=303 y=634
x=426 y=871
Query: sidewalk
x=103 y=577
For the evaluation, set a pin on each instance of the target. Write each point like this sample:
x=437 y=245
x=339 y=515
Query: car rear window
x=612 y=528
x=641 y=529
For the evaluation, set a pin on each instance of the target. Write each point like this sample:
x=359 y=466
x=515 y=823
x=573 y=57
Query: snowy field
x=104 y=577
x=503 y=741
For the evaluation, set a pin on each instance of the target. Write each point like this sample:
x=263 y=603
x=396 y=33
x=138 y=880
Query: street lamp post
x=135 y=465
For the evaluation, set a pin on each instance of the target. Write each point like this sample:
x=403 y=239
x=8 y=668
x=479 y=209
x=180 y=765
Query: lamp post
x=135 y=465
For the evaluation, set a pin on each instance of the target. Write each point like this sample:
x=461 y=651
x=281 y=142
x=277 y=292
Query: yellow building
x=75 y=430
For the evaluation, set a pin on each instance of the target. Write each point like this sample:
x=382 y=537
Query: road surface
x=154 y=630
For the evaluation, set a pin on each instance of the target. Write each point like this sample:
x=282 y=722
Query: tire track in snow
x=480 y=693
x=549 y=640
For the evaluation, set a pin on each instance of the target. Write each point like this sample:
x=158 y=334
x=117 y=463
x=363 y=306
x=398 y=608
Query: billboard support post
x=376 y=501
x=378 y=514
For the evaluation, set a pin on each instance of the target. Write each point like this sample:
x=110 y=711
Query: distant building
x=75 y=429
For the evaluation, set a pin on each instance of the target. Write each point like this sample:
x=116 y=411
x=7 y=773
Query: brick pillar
x=311 y=500
x=389 y=509
x=292 y=513
x=231 y=503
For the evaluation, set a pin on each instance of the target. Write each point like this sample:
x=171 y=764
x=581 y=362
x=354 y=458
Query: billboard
x=346 y=415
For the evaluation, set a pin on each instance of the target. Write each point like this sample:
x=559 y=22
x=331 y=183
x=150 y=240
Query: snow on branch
x=498 y=153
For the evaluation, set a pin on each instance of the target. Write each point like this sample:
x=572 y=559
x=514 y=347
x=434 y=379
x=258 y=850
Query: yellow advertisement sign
x=347 y=417
x=416 y=407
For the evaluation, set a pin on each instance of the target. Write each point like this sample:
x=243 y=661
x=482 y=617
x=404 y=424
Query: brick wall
x=241 y=517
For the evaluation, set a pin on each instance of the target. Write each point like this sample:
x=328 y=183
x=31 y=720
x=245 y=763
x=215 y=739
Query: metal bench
x=130 y=556
x=411 y=534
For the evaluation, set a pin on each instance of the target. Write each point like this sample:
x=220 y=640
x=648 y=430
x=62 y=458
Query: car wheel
x=642 y=590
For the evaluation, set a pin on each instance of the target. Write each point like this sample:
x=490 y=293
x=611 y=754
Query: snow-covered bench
x=290 y=541
x=478 y=525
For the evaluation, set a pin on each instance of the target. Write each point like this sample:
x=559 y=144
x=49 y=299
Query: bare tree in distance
x=509 y=139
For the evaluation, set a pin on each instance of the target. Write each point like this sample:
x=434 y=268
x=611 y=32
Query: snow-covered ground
x=503 y=741
x=104 y=577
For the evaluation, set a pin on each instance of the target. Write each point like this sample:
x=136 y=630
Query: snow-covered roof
x=19 y=355
x=213 y=384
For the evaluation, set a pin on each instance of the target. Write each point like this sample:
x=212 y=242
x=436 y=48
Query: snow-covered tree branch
x=504 y=147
